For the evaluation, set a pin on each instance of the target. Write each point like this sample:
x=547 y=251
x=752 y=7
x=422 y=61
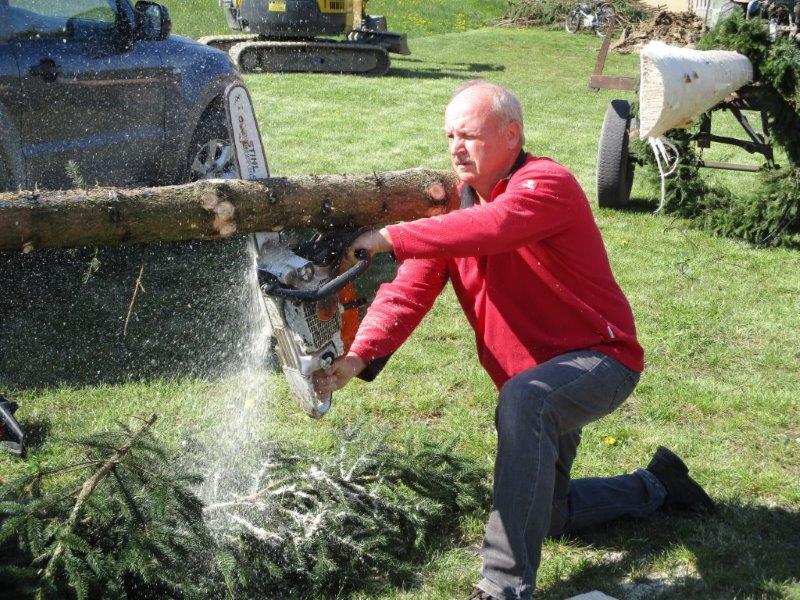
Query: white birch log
x=679 y=84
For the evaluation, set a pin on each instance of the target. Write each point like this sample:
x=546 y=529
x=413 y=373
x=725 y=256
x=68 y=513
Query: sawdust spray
x=241 y=409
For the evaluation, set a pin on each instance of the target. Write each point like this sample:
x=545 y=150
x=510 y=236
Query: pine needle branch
x=88 y=488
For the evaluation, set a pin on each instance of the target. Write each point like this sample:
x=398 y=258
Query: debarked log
x=220 y=208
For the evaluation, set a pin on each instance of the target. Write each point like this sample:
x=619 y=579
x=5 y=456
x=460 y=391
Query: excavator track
x=226 y=42
x=310 y=57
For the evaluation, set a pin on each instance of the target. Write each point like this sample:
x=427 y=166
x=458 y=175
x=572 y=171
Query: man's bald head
x=502 y=102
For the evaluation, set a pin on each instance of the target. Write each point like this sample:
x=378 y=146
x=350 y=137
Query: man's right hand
x=373 y=241
x=338 y=374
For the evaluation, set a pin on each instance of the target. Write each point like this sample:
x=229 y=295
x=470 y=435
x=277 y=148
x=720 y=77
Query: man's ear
x=513 y=134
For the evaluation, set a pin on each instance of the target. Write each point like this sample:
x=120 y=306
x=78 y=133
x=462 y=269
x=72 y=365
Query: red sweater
x=529 y=269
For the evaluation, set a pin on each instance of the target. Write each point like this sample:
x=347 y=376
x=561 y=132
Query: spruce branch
x=308 y=524
x=89 y=487
x=329 y=523
x=120 y=524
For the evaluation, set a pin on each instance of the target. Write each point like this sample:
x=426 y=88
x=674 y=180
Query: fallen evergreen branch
x=89 y=486
x=117 y=524
x=362 y=516
x=122 y=520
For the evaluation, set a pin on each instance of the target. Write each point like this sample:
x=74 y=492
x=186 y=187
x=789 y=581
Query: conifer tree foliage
x=771 y=215
x=322 y=526
x=116 y=524
x=123 y=520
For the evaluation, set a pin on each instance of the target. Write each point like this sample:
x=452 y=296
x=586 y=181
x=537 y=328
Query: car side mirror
x=152 y=21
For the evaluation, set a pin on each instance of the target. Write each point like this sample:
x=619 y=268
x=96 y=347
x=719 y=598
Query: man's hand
x=374 y=242
x=338 y=374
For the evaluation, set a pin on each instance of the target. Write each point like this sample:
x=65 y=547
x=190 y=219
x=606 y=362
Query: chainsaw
x=310 y=299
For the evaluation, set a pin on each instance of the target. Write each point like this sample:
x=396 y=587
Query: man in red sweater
x=553 y=330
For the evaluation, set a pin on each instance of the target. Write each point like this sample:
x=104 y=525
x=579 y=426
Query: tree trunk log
x=214 y=209
x=677 y=84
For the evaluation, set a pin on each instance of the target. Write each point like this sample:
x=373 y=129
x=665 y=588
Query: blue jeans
x=539 y=419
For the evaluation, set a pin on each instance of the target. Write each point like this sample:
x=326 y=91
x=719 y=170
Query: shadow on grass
x=64 y=313
x=442 y=70
x=743 y=551
x=638 y=205
x=649 y=205
x=37 y=431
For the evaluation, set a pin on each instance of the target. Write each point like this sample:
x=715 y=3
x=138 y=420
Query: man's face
x=482 y=146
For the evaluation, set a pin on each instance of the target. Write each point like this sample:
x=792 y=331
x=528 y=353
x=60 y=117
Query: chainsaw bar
x=307 y=334
x=251 y=160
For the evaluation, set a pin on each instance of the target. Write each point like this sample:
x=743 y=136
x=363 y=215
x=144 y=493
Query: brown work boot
x=479 y=594
x=683 y=492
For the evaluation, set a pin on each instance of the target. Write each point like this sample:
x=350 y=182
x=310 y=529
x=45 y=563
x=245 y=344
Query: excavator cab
x=290 y=18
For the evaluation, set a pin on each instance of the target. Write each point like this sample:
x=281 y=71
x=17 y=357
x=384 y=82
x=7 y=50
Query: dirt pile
x=678 y=29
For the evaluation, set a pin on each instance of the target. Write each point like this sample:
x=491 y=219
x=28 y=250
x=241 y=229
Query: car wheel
x=614 y=165
x=210 y=152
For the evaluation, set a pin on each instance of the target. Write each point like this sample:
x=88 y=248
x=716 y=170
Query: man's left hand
x=337 y=375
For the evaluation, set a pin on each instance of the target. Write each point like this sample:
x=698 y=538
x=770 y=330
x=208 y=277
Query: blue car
x=97 y=92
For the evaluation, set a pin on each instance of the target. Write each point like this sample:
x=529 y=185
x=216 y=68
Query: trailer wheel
x=614 y=165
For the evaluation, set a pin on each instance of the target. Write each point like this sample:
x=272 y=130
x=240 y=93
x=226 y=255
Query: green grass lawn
x=718 y=320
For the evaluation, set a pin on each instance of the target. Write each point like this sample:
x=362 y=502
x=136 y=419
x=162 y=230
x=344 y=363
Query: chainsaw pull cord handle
x=328 y=289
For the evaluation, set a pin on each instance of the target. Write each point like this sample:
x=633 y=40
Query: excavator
x=284 y=36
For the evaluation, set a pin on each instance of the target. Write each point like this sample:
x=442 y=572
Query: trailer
x=616 y=165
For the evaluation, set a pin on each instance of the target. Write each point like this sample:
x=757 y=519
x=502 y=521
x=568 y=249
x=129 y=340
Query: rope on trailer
x=667 y=158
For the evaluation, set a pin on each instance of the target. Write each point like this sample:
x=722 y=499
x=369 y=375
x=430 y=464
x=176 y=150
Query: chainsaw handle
x=328 y=289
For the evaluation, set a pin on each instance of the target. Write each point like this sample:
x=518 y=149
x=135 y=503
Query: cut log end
x=437 y=192
x=223 y=213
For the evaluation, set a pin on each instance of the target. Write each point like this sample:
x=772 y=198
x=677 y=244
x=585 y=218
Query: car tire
x=210 y=153
x=614 y=165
